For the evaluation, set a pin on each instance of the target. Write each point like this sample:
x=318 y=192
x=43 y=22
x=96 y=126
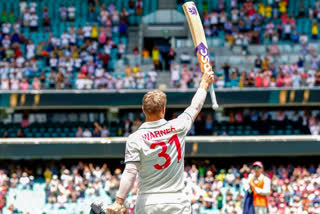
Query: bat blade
x=200 y=42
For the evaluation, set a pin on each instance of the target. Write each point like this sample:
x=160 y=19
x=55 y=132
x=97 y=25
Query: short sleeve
x=132 y=153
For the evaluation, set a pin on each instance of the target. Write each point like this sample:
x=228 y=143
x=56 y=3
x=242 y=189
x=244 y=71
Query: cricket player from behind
x=156 y=153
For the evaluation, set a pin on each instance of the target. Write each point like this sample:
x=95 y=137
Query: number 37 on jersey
x=163 y=154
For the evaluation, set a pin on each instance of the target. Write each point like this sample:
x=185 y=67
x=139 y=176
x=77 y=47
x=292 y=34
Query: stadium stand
x=81 y=46
x=60 y=189
x=75 y=49
x=238 y=123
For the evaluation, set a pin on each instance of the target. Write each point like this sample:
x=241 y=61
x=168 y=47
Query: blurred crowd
x=232 y=122
x=246 y=22
x=262 y=122
x=262 y=74
x=79 y=57
x=294 y=188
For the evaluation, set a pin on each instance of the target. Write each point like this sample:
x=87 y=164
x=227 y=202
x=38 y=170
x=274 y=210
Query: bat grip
x=215 y=105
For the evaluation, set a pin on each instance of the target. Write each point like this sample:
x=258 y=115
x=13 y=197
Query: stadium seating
x=69 y=129
x=303 y=23
x=213 y=190
x=57 y=27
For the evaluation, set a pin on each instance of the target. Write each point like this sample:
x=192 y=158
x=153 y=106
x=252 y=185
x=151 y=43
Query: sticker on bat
x=203 y=56
x=192 y=10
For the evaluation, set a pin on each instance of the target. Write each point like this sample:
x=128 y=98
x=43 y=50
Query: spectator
x=20 y=133
x=314 y=31
x=145 y=56
x=156 y=57
x=24 y=85
x=139 y=7
x=96 y=132
x=136 y=124
x=23 y=6
x=175 y=75
x=71 y=13
x=170 y=58
x=79 y=132
x=127 y=127
x=63 y=13
x=5 y=83
x=315 y=128
x=87 y=133
x=123 y=28
x=121 y=50
x=104 y=131
x=303 y=39
x=33 y=22
x=5 y=135
x=26 y=18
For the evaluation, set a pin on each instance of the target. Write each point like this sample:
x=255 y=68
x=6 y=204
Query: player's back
x=159 y=146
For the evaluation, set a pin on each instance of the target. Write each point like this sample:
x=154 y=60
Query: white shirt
x=315 y=129
x=105 y=133
x=159 y=146
x=6 y=42
x=5 y=84
x=23 y=6
x=87 y=134
x=33 y=6
x=303 y=39
x=234 y=15
x=26 y=17
x=121 y=48
x=266 y=184
x=99 y=72
x=71 y=11
x=214 y=19
x=73 y=38
x=175 y=74
x=153 y=76
x=80 y=83
x=30 y=50
x=24 y=180
x=14 y=84
x=287 y=28
x=65 y=39
x=53 y=62
x=87 y=31
x=6 y=28
x=34 y=20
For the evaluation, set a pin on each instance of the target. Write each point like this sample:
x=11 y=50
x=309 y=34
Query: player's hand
x=252 y=185
x=207 y=79
x=116 y=208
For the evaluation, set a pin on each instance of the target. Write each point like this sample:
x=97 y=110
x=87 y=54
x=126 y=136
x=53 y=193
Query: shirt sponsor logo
x=203 y=57
x=159 y=133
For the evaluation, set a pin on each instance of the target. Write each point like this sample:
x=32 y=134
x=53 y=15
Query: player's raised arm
x=200 y=96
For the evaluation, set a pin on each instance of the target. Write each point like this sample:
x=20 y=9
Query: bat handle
x=215 y=105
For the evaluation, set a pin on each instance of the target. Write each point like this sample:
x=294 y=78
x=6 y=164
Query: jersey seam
x=188 y=115
x=153 y=126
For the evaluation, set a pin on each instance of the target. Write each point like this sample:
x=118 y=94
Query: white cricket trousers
x=163 y=203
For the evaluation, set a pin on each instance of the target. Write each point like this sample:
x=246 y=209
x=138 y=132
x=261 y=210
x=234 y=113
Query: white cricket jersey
x=159 y=146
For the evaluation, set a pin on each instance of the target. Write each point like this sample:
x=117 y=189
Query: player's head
x=257 y=168
x=154 y=104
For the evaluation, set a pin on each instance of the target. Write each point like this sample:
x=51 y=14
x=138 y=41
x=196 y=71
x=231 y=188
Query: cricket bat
x=200 y=43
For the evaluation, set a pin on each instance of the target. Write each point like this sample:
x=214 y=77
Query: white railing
x=189 y=139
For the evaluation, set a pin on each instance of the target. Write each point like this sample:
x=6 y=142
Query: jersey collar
x=153 y=124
